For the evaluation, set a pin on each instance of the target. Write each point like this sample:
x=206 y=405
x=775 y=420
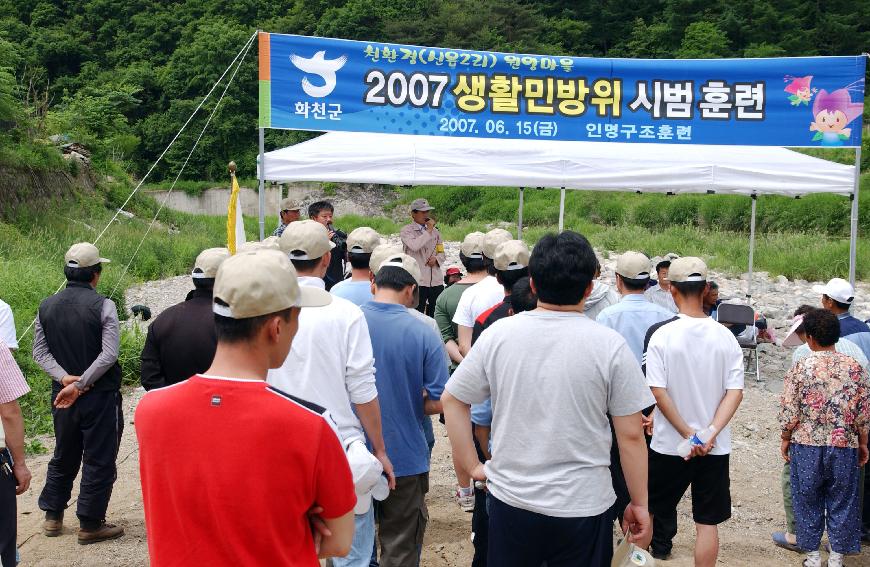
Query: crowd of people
x=290 y=398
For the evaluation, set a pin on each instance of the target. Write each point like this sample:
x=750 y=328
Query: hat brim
x=820 y=289
x=424 y=209
x=313 y=297
x=791 y=338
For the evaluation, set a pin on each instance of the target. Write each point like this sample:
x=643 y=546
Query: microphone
x=330 y=227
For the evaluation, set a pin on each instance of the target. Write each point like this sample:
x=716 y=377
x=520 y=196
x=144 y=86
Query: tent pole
x=751 y=249
x=262 y=185
x=520 y=216
x=562 y=209
x=853 y=233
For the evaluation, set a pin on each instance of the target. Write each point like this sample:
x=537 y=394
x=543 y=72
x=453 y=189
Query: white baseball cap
x=837 y=289
x=368 y=478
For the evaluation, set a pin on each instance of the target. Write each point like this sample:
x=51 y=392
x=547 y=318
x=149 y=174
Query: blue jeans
x=363 y=539
x=429 y=433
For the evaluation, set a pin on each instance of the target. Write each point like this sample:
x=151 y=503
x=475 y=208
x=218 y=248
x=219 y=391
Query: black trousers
x=480 y=517
x=428 y=295
x=88 y=435
x=664 y=525
x=8 y=514
x=519 y=538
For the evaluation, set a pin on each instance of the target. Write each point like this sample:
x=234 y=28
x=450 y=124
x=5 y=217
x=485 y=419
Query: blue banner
x=322 y=84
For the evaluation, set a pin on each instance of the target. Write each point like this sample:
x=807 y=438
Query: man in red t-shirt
x=233 y=470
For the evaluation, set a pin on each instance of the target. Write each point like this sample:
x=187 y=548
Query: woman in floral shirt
x=824 y=417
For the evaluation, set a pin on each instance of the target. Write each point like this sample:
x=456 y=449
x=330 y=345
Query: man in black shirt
x=182 y=340
x=76 y=341
x=511 y=264
x=322 y=211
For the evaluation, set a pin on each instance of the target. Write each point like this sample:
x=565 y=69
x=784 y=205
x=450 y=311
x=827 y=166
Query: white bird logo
x=317 y=65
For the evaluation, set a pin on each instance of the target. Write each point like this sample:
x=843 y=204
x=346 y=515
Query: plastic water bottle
x=684 y=449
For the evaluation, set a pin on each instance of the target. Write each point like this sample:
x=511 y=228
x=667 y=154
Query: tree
x=703 y=40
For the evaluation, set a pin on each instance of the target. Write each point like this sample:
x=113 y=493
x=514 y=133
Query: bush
x=609 y=212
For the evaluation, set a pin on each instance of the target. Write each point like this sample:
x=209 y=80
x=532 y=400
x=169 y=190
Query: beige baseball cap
x=633 y=265
x=290 y=204
x=405 y=262
x=250 y=246
x=421 y=205
x=688 y=269
x=83 y=255
x=511 y=255
x=271 y=242
x=363 y=240
x=381 y=253
x=261 y=282
x=208 y=262
x=306 y=240
x=492 y=239
x=472 y=245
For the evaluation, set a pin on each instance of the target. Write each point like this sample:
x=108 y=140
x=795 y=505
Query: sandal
x=780 y=540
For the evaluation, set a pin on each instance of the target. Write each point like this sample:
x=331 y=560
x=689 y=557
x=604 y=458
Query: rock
x=782 y=280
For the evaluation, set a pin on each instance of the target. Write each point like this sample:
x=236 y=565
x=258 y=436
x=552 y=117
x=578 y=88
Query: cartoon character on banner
x=832 y=112
x=799 y=89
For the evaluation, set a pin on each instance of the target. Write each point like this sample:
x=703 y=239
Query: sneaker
x=465 y=502
x=53 y=525
x=103 y=533
x=660 y=556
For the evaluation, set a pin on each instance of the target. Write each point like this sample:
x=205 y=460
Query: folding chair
x=737 y=314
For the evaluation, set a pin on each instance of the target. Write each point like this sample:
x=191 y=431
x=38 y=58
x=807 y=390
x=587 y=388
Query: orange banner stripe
x=265 y=66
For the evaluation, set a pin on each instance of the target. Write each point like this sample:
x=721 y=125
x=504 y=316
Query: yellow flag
x=235 y=222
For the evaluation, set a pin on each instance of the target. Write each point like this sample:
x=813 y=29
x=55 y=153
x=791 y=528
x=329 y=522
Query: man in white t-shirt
x=553 y=375
x=482 y=295
x=331 y=364
x=694 y=367
x=7 y=326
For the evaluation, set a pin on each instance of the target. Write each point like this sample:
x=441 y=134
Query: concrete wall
x=347 y=198
x=214 y=201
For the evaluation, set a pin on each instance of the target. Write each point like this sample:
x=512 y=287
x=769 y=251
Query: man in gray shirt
x=553 y=375
x=76 y=342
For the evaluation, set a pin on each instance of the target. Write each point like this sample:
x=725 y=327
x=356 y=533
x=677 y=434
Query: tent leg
x=261 y=190
x=562 y=209
x=751 y=248
x=853 y=233
x=520 y=216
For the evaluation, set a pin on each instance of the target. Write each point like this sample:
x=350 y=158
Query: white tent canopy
x=396 y=159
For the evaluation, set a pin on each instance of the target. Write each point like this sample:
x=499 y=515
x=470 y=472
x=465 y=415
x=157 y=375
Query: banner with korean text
x=322 y=84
